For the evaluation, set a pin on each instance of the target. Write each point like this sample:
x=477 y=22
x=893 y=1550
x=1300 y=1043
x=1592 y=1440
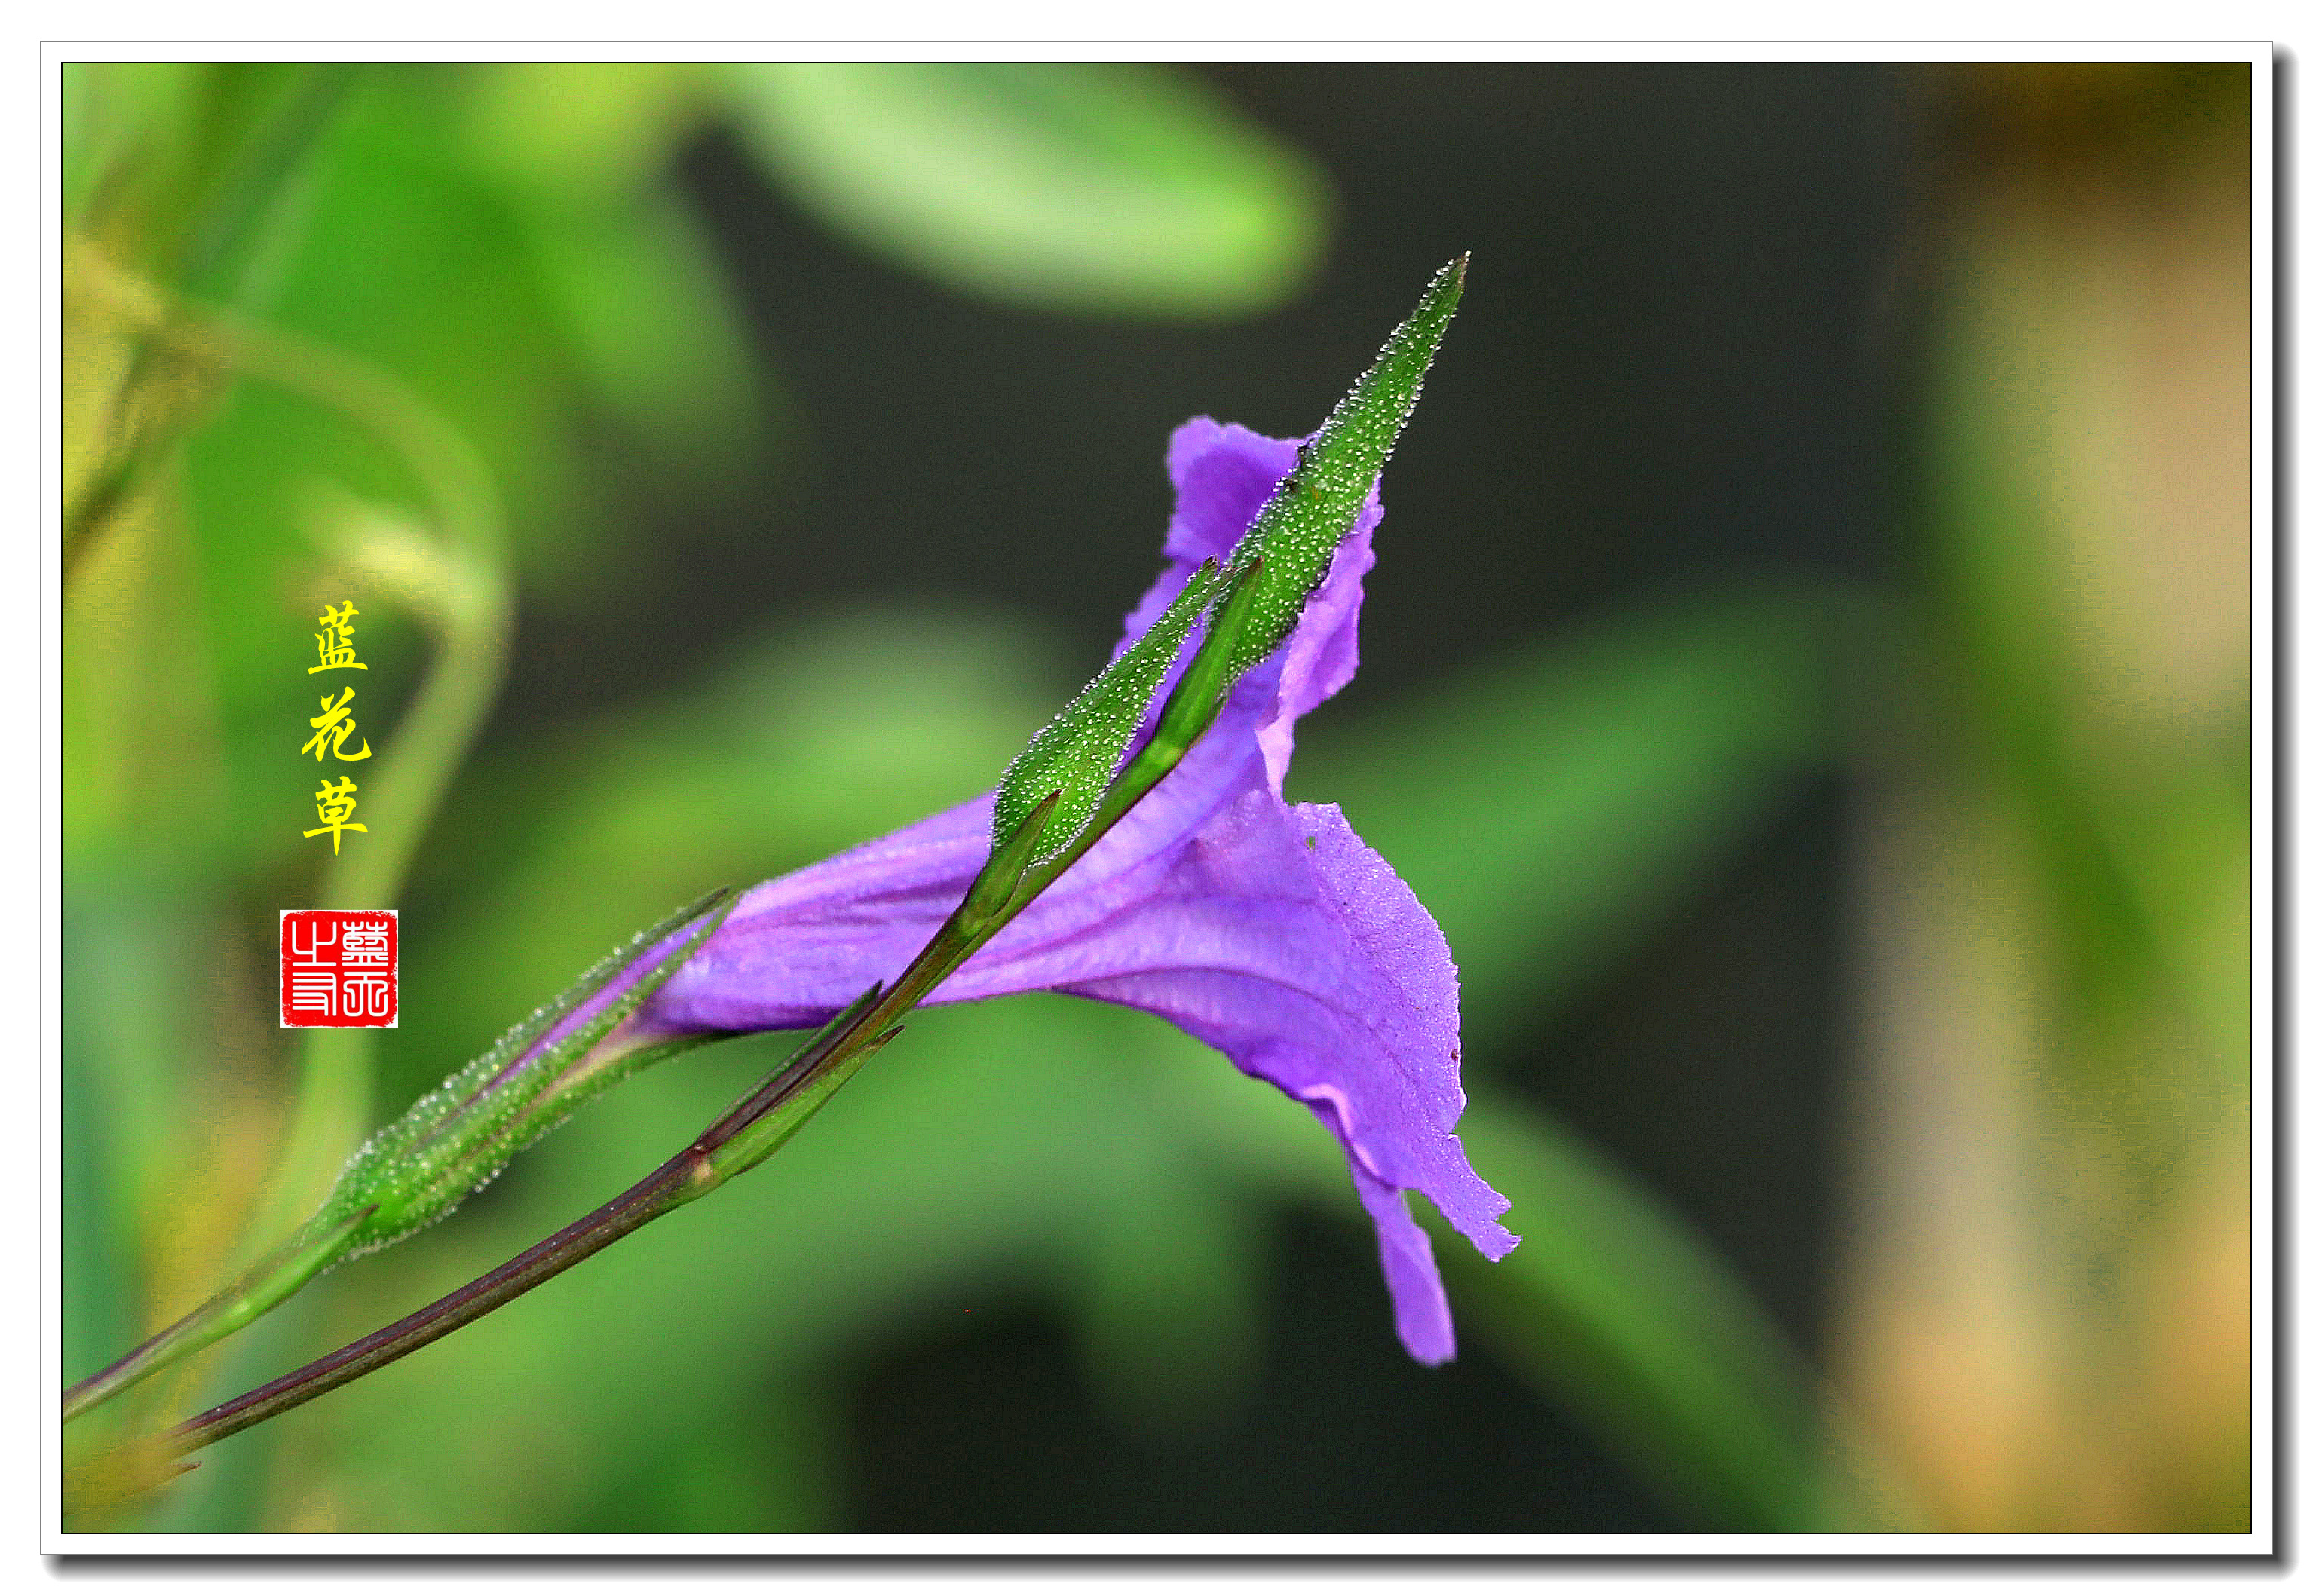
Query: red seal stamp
x=340 y=966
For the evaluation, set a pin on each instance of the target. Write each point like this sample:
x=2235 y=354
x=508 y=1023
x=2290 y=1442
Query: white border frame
x=2259 y=1542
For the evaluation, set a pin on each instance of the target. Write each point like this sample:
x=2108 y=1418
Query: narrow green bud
x=1297 y=531
x=763 y=1136
x=1260 y=592
x=454 y=1140
x=992 y=890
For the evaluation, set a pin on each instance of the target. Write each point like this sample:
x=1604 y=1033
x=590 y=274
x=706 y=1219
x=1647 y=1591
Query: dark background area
x=1673 y=362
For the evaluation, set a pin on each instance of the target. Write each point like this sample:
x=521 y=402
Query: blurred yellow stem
x=459 y=588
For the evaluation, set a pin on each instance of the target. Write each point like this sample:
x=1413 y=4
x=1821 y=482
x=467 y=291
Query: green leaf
x=1617 y=1309
x=1111 y=189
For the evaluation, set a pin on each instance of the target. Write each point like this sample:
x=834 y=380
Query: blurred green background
x=1807 y=677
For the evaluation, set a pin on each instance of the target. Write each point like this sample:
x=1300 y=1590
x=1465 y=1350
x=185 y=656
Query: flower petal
x=1268 y=931
x=1409 y=1267
x=1280 y=940
x=1273 y=935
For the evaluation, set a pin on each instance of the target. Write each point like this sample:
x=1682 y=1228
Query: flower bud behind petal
x=455 y=1139
x=1203 y=691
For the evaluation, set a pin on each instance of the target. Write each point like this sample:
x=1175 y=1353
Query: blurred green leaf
x=1547 y=810
x=250 y=224
x=1110 y=189
x=583 y=131
x=1617 y=1309
x=585 y=151
x=653 y=323
x=2136 y=797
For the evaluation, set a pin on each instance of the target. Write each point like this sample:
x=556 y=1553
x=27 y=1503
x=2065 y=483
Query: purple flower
x=1264 y=929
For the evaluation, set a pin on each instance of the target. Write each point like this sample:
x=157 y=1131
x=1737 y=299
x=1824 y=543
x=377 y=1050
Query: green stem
x=760 y=1122
x=465 y=602
x=665 y=1188
x=697 y=1170
x=263 y=1286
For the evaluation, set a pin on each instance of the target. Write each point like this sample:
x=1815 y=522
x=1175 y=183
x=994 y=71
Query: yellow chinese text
x=334 y=640
x=331 y=727
x=335 y=799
